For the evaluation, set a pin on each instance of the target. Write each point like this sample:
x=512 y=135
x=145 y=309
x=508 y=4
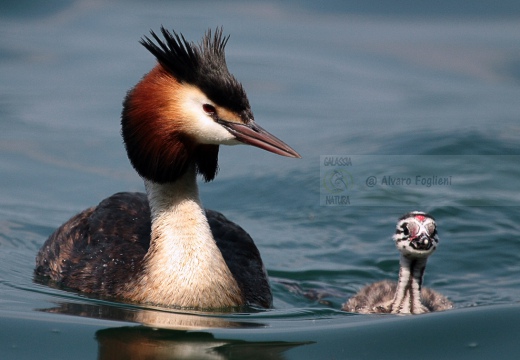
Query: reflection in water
x=145 y=343
x=157 y=318
x=165 y=335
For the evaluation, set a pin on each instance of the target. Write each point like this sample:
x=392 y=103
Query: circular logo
x=337 y=181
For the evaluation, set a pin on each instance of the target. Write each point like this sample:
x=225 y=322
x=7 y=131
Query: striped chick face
x=416 y=234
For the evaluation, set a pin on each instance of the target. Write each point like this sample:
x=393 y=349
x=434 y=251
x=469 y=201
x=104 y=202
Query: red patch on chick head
x=421 y=218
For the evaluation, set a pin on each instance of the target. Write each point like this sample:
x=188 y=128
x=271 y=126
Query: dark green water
x=402 y=92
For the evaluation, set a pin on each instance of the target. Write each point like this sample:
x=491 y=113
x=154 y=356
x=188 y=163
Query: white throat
x=183 y=266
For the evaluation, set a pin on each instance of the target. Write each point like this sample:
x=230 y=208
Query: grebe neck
x=183 y=266
x=407 y=297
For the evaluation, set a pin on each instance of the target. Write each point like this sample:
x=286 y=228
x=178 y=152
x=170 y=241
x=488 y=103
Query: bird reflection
x=171 y=335
x=157 y=318
x=146 y=343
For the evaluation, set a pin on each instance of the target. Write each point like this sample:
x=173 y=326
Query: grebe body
x=163 y=247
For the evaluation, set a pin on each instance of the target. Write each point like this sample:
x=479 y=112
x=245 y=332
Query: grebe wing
x=243 y=259
x=100 y=248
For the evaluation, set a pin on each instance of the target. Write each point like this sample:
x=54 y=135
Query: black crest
x=202 y=65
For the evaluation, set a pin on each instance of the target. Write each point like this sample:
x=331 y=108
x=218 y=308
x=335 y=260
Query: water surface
x=343 y=79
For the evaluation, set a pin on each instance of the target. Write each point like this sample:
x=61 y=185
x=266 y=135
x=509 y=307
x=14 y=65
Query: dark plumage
x=100 y=248
x=242 y=257
x=118 y=237
x=203 y=66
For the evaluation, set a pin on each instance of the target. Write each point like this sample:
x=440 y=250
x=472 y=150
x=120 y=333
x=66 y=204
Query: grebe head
x=416 y=235
x=187 y=106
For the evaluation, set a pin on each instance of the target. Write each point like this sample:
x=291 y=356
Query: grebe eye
x=404 y=227
x=209 y=109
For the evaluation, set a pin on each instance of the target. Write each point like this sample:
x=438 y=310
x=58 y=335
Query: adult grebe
x=416 y=238
x=163 y=248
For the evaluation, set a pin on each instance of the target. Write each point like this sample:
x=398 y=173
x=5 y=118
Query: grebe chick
x=164 y=248
x=416 y=238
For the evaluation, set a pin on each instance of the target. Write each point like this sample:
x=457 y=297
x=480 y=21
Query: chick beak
x=423 y=242
x=253 y=134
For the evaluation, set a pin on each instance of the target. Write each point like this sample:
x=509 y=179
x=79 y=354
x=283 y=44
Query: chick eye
x=209 y=109
x=404 y=227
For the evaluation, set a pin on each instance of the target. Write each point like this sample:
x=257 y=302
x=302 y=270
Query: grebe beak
x=253 y=134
